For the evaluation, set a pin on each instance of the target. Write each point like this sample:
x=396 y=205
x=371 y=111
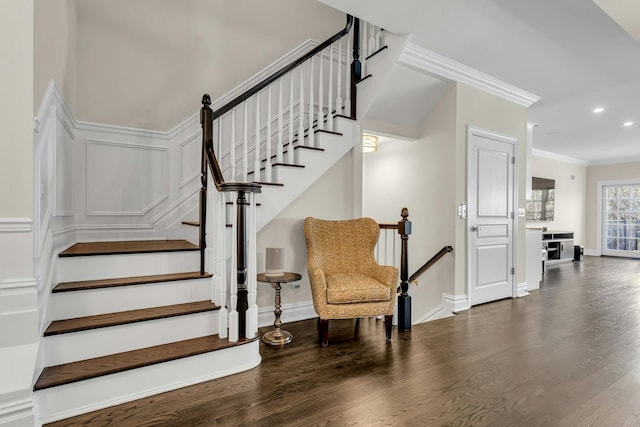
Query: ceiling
x=570 y=53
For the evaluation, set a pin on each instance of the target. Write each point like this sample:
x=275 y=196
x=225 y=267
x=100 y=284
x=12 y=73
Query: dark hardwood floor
x=566 y=355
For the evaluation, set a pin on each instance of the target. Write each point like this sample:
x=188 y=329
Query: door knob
x=474 y=228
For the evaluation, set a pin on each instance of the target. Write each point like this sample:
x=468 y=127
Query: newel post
x=241 y=260
x=404 y=299
x=207 y=129
x=356 y=66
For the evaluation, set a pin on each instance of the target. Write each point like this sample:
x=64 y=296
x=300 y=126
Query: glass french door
x=621 y=220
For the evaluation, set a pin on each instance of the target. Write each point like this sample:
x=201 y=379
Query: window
x=621 y=219
x=541 y=205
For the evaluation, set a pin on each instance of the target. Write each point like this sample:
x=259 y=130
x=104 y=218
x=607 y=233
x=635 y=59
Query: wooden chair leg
x=323 y=329
x=387 y=326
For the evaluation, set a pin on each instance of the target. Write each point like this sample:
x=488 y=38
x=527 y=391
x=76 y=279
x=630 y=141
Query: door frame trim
x=475 y=130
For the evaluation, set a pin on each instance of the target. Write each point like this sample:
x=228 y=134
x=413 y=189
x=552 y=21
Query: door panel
x=491 y=195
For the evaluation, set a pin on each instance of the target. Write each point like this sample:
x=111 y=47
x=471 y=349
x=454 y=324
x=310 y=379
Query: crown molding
x=559 y=157
x=425 y=60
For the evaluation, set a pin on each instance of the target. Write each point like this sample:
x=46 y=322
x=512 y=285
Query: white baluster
x=267 y=164
x=320 y=95
x=232 y=150
x=364 y=41
x=252 y=270
x=280 y=148
x=290 y=149
x=373 y=42
x=311 y=109
x=220 y=271
x=245 y=143
x=330 y=96
x=339 y=87
x=301 y=109
x=256 y=145
x=233 y=283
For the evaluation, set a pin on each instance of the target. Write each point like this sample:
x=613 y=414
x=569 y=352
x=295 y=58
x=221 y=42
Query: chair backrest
x=341 y=246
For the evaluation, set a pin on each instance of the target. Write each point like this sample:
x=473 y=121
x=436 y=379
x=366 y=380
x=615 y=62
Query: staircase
x=129 y=319
x=125 y=325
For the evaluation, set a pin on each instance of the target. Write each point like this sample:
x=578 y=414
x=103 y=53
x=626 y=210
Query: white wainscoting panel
x=125 y=178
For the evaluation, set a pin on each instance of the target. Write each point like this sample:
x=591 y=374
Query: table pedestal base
x=277 y=337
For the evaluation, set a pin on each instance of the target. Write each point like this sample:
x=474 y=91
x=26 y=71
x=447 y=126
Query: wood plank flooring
x=566 y=355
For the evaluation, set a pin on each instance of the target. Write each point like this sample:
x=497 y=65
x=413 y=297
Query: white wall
x=146 y=63
x=18 y=300
x=623 y=171
x=419 y=175
x=55 y=36
x=570 y=192
x=333 y=196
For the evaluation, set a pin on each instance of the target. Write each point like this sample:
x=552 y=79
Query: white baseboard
x=290 y=313
x=440 y=312
x=17 y=413
x=592 y=252
x=522 y=289
x=456 y=303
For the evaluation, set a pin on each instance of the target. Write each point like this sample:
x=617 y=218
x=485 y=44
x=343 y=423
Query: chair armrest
x=386 y=274
x=318 y=285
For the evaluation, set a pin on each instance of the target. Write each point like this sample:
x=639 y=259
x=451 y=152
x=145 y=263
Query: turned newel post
x=404 y=300
x=356 y=66
x=241 y=259
x=207 y=129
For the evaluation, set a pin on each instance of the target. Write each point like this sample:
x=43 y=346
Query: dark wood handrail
x=388 y=226
x=427 y=265
x=272 y=78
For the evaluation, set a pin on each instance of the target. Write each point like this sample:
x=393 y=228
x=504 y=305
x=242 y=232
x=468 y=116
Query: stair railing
x=260 y=128
x=427 y=265
x=387 y=254
x=392 y=249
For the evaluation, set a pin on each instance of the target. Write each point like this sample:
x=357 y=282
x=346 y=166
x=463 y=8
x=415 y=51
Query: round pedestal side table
x=278 y=336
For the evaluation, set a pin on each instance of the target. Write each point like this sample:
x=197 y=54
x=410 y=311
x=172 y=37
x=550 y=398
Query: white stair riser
x=85 y=396
x=111 y=266
x=68 y=305
x=71 y=347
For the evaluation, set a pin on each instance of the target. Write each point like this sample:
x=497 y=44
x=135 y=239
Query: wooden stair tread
x=376 y=52
x=124 y=317
x=128 y=247
x=272 y=184
x=192 y=223
x=126 y=281
x=91 y=368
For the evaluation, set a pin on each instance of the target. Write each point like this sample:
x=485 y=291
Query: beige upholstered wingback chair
x=346 y=281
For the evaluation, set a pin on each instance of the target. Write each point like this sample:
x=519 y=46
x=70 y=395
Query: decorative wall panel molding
x=125 y=178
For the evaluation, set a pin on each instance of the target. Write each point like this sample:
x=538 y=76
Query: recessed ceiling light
x=627 y=124
x=598 y=110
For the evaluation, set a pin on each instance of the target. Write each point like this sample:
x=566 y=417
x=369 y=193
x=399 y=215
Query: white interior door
x=490 y=187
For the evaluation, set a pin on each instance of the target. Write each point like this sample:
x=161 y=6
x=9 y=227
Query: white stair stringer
x=80 y=397
x=316 y=163
x=81 y=345
x=89 y=302
x=380 y=67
